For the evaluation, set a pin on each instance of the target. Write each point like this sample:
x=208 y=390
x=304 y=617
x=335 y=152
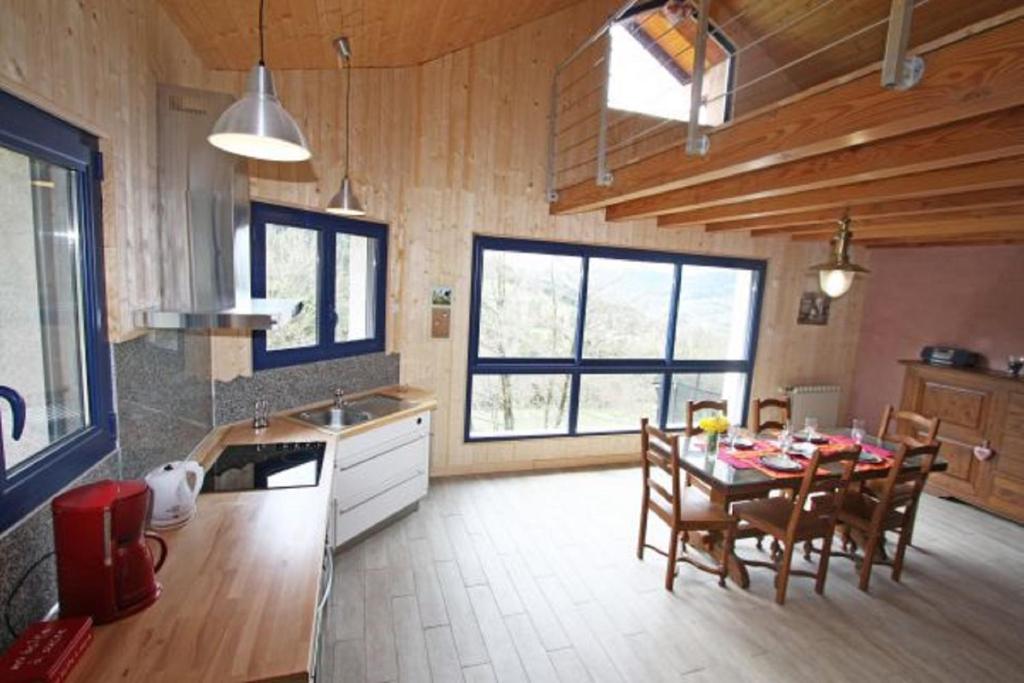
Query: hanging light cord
x=262 y=63
x=348 y=109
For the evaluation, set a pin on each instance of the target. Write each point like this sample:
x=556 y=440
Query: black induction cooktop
x=266 y=466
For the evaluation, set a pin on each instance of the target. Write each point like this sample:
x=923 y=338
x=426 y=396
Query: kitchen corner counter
x=241 y=581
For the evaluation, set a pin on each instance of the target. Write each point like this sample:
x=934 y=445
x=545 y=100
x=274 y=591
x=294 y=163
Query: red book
x=46 y=651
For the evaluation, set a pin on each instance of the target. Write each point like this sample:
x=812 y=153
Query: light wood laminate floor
x=534 y=578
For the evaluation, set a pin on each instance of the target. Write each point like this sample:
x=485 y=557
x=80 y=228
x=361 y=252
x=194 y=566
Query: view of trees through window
x=292 y=268
x=533 y=373
x=335 y=266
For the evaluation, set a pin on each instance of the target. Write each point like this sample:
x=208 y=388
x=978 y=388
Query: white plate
x=804 y=448
x=781 y=463
x=870 y=458
x=741 y=443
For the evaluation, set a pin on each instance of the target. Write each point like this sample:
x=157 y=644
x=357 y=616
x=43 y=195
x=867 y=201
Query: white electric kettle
x=175 y=487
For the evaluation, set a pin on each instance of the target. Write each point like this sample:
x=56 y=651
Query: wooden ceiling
x=383 y=33
x=942 y=162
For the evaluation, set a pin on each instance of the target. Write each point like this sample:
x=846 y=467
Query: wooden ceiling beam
x=966 y=241
x=983 y=138
x=970 y=77
x=937 y=218
x=985 y=176
x=995 y=224
x=1007 y=196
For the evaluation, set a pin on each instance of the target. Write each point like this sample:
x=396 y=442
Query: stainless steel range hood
x=204 y=224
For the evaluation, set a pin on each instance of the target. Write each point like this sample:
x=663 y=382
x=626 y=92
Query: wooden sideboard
x=973 y=405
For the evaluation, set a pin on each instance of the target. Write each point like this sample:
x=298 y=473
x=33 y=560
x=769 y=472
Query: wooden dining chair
x=898 y=425
x=894 y=510
x=795 y=520
x=907 y=428
x=781 y=404
x=692 y=428
x=681 y=512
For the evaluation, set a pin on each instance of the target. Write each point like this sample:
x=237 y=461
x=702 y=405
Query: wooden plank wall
x=440 y=152
x=96 y=63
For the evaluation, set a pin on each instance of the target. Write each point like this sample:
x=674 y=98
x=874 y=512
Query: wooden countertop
x=241 y=580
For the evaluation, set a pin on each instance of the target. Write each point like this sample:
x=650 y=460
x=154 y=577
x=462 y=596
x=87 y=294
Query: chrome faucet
x=339 y=398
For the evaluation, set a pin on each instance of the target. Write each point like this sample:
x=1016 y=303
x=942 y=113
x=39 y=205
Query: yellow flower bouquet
x=714 y=426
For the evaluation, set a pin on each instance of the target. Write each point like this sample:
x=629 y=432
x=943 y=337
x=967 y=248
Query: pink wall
x=971 y=297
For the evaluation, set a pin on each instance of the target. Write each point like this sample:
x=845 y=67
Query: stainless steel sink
x=353 y=413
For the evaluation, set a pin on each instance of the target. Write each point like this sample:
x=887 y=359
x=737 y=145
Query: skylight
x=649 y=72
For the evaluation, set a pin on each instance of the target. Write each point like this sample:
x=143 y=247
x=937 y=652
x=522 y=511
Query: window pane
x=41 y=335
x=713 y=322
x=706 y=387
x=528 y=305
x=293 y=265
x=507 y=405
x=617 y=402
x=627 y=309
x=355 y=287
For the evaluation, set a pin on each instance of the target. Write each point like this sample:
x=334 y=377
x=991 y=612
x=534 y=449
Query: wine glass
x=857 y=430
x=1015 y=364
x=811 y=427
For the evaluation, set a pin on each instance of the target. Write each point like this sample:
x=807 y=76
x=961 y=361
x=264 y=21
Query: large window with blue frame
x=56 y=408
x=569 y=339
x=337 y=268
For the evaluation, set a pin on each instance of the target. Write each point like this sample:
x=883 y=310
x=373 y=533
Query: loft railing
x=589 y=139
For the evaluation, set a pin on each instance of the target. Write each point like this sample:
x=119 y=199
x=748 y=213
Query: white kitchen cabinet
x=379 y=473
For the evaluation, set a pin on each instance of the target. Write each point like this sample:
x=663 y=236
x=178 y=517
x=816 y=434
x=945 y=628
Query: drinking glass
x=857 y=430
x=261 y=413
x=786 y=437
x=734 y=432
x=811 y=427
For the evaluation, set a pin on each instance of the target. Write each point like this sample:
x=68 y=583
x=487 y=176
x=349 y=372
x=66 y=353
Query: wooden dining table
x=728 y=484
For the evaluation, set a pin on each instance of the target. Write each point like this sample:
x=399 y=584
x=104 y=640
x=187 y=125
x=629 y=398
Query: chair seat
x=696 y=511
x=771 y=515
x=876 y=488
x=858 y=509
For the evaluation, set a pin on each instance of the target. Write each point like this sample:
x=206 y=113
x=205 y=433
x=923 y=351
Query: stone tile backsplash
x=297 y=385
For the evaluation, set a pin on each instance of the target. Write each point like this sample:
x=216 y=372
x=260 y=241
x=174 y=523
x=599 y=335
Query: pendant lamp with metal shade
x=835 y=276
x=345 y=202
x=257 y=125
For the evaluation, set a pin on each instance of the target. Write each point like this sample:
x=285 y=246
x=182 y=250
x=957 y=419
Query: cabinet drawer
x=356 y=449
x=362 y=517
x=357 y=484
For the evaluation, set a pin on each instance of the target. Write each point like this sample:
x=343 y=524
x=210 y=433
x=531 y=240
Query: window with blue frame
x=337 y=268
x=56 y=408
x=570 y=339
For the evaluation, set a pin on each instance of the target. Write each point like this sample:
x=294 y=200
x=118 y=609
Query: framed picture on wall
x=813 y=309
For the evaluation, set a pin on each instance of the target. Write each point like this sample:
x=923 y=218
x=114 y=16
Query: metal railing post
x=604 y=176
x=697 y=143
x=552 y=189
x=898 y=71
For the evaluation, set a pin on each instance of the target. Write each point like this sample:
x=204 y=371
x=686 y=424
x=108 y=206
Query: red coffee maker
x=105 y=568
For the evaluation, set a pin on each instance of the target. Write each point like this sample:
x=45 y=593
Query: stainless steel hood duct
x=204 y=224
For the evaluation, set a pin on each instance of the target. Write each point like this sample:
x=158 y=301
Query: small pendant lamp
x=257 y=125
x=835 y=276
x=345 y=202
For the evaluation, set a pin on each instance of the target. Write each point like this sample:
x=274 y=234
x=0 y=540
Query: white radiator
x=814 y=400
